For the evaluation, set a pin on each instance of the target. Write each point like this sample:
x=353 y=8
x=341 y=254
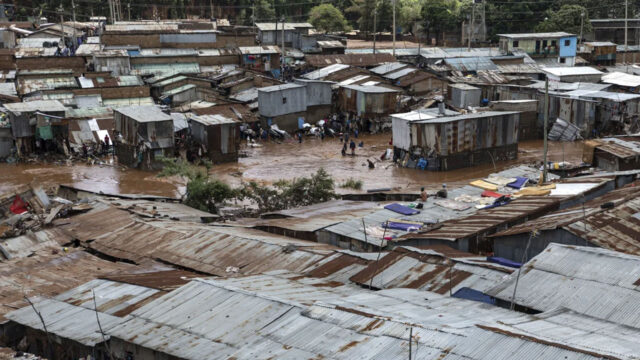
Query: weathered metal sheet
x=595 y=282
x=282 y=100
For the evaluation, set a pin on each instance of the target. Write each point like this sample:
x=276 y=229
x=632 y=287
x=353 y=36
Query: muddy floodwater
x=272 y=161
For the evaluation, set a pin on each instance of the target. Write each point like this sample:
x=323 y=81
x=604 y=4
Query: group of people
x=103 y=147
x=442 y=193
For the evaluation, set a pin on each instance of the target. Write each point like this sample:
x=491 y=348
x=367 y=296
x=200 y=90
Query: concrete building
x=217 y=135
x=559 y=45
x=147 y=136
x=283 y=105
x=454 y=142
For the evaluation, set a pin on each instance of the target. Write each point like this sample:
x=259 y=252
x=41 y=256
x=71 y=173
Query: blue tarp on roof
x=475 y=295
x=401 y=209
x=503 y=261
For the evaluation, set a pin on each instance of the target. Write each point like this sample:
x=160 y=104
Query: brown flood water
x=272 y=162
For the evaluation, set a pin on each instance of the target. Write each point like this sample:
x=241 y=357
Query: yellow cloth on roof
x=536 y=190
x=484 y=185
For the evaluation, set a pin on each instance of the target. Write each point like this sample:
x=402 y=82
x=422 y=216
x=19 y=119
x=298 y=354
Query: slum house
x=260 y=58
x=463 y=96
x=30 y=81
x=26 y=60
x=283 y=105
x=622 y=82
x=147 y=136
x=217 y=57
x=7 y=38
x=559 y=45
x=361 y=60
x=96 y=88
x=217 y=135
x=306 y=222
x=238 y=112
x=161 y=89
x=373 y=235
x=22 y=117
x=70 y=316
x=319 y=99
x=116 y=61
x=602 y=53
x=344 y=317
x=89 y=126
x=528 y=128
x=7 y=60
x=613 y=154
x=295 y=34
x=71 y=36
x=454 y=142
x=373 y=104
x=473 y=232
x=613 y=110
x=330 y=47
x=573 y=74
x=606 y=222
x=153 y=36
x=606 y=295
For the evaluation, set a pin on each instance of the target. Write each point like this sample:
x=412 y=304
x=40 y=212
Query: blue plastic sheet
x=475 y=295
x=401 y=226
x=503 y=261
x=401 y=209
x=519 y=183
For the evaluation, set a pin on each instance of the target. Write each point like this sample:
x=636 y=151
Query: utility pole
x=111 y=10
x=60 y=10
x=581 y=27
x=546 y=122
x=626 y=15
x=211 y=9
x=473 y=15
x=394 y=27
x=284 y=59
x=375 y=23
x=129 y=9
x=73 y=12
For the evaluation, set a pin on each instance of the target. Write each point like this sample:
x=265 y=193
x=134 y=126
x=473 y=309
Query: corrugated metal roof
x=29 y=85
x=596 y=282
x=363 y=60
x=431 y=270
x=286 y=86
x=8 y=89
x=221 y=251
x=369 y=89
x=389 y=67
x=621 y=79
x=246 y=96
x=330 y=44
x=272 y=26
x=541 y=35
x=400 y=73
x=259 y=50
x=36 y=105
x=144 y=113
x=165 y=52
x=572 y=71
x=161 y=71
x=471 y=63
x=325 y=71
x=178 y=89
x=28 y=244
x=431 y=213
x=613 y=96
x=209 y=120
x=179 y=121
x=114 y=103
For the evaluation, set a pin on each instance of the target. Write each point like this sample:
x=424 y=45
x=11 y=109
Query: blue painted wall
x=566 y=51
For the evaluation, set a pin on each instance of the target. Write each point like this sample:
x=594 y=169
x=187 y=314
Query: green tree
x=408 y=13
x=202 y=192
x=438 y=16
x=567 y=19
x=328 y=18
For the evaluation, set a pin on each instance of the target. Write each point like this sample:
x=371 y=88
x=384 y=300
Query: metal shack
x=463 y=96
x=615 y=153
x=528 y=128
x=217 y=135
x=283 y=105
x=454 y=142
x=146 y=136
x=573 y=74
x=374 y=103
x=260 y=58
x=600 y=52
x=319 y=96
x=22 y=117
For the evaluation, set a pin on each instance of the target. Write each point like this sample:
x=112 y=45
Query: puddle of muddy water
x=271 y=162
